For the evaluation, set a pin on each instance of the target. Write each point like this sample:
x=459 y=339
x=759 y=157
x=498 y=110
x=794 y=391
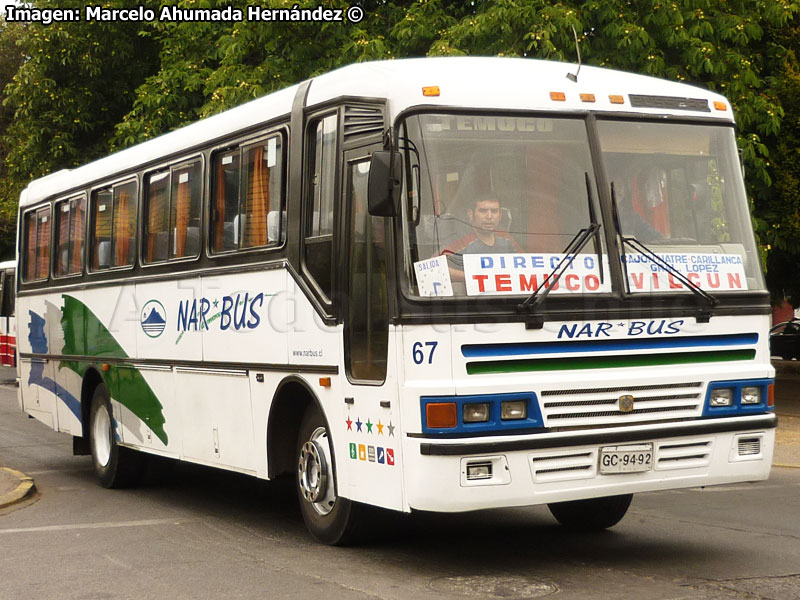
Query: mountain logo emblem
x=153 y=319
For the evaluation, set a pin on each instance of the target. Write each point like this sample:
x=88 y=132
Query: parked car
x=784 y=339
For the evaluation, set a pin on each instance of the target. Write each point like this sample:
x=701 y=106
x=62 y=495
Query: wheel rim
x=101 y=436
x=313 y=472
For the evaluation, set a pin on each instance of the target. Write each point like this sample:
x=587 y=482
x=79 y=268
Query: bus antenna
x=570 y=76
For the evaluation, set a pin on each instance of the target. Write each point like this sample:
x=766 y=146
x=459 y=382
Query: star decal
x=369 y=426
x=349 y=424
x=380 y=427
x=358 y=424
x=390 y=427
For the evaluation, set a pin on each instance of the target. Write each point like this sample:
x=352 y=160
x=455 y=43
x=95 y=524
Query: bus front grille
x=590 y=407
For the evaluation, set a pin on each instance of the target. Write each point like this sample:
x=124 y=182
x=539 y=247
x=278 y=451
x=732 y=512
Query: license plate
x=633 y=458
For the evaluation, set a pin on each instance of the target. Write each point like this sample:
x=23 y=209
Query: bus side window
x=172 y=213
x=69 y=236
x=114 y=226
x=321 y=187
x=247 y=206
x=8 y=294
x=263 y=180
x=37 y=244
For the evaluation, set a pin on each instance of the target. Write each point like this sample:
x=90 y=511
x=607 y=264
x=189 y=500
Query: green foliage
x=10 y=33
x=779 y=212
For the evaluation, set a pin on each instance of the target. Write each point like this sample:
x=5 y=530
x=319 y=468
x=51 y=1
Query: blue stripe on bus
x=527 y=348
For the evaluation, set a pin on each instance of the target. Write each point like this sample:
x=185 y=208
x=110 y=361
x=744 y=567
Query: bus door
x=371 y=420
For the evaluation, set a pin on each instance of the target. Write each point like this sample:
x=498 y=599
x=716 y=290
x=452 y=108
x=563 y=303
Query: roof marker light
x=614 y=99
x=720 y=106
x=430 y=90
x=558 y=96
x=587 y=97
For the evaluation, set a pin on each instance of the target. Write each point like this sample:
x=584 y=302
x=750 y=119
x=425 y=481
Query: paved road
x=198 y=533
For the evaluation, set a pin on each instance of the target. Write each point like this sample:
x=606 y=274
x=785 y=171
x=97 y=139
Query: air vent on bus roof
x=362 y=121
x=671 y=102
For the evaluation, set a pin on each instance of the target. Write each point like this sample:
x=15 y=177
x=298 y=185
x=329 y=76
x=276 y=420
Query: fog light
x=722 y=397
x=476 y=413
x=441 y=415
x=479 y=471
x=516 y=409
x=751 y=395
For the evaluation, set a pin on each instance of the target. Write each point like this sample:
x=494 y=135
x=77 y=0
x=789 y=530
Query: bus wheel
x=115 y=466
x=592 y=514
x=330 y=519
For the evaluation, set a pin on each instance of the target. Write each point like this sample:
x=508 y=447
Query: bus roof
x=462 y=82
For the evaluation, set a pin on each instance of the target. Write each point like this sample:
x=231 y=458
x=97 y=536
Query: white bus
x=8 y=332
x=433 y=284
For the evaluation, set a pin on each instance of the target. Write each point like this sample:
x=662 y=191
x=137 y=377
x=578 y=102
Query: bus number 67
x=418 y=352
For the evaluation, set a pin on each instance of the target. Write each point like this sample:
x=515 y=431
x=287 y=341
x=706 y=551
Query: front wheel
x=331 y=519
x=593 y=514
x=114 y=466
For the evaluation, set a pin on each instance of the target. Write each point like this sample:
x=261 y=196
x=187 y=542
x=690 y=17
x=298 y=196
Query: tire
x=115 y=467
x=329 y=518
x=593 y=514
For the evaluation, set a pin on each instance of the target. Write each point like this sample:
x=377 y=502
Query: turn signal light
x=614 y=99
x=720 y=106
x=558 y=96
x=430 y=90
x=441 y=415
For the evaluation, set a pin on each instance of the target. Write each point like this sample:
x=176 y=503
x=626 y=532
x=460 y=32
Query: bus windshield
x=494 y=201
x=491 y=203
x=679 y=190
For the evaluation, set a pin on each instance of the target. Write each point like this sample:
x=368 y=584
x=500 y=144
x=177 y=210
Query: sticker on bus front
x=433 y=277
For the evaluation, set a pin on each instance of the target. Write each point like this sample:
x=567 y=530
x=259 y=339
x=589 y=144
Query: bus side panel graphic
x=85 y=335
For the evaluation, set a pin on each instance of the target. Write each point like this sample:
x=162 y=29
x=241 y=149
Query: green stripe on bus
x=606 y=362
x=85 y=335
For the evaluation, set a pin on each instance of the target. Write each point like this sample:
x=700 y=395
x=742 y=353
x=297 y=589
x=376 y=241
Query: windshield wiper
x=703 y=316
x=573 y=248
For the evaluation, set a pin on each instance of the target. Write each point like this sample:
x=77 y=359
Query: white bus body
x=300 y=334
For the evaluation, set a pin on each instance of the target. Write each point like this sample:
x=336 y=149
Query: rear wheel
x=330 y=519
x=592 y=514
x=115 y=466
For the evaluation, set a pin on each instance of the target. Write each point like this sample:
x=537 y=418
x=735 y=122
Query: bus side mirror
x=383 y=189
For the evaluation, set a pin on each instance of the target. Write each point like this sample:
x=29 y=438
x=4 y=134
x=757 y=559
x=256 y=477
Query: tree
x=74 y=86
x=10 y=33
x=779 y=215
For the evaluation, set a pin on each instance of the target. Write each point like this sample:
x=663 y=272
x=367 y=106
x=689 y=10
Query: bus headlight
x=476 y=413
x=722 y=397
x=513 y=409
x=751 y=395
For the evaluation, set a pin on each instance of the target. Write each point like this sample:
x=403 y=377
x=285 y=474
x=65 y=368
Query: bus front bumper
x=453 y=475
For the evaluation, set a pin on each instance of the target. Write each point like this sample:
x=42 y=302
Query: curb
x=25 y=488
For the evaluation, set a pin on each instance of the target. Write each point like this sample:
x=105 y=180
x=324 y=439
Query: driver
x=485 y=238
